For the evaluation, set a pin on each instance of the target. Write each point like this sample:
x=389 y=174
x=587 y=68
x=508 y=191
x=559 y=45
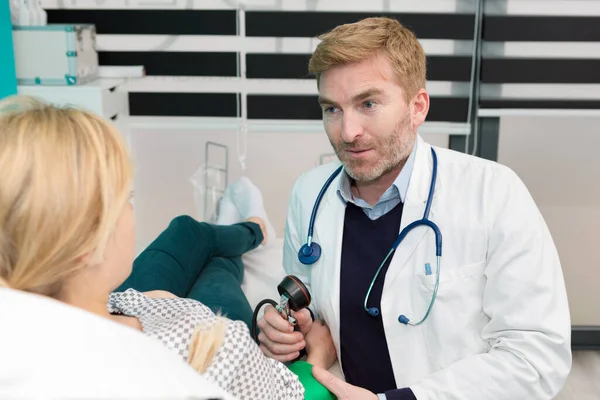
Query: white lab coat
x=500 y=326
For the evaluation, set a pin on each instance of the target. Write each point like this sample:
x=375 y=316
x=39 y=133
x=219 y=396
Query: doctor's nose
x=351 y=128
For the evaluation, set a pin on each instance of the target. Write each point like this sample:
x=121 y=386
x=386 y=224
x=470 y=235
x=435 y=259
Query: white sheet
x=49 y=350
x=263 y=272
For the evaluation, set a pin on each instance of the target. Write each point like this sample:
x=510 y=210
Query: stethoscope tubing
x=310 y=252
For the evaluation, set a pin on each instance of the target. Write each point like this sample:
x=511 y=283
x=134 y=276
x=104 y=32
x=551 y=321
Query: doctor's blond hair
x=65 y=178
x=370 y=37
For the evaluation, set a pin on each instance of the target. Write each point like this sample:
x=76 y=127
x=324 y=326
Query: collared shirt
x=394 y=195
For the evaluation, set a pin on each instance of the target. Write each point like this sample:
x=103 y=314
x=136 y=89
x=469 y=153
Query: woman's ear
x=88 y=259
x=420 y=107
x=85 y=259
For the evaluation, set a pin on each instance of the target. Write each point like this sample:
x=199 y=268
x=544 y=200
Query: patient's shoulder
x=160 y=294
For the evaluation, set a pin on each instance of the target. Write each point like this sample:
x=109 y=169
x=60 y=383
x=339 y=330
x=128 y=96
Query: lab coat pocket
x=448 y=274
x=453 y=329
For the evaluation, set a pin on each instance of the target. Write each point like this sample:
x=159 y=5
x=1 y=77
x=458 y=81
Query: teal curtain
x=8 y=78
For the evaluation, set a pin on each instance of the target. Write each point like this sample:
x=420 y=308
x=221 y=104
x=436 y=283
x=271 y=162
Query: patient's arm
x=319 y=346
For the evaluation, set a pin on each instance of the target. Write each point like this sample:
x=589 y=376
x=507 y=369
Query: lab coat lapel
x=331 y=228
x=414 y=204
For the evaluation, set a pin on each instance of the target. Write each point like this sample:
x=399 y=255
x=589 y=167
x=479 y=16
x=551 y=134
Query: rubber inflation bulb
x=373 y=311
x=309 y=254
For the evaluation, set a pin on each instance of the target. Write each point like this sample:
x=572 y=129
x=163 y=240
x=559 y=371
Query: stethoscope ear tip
x=373 y=311
x=403 y=320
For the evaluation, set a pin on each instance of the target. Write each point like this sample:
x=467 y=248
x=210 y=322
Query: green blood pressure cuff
x=313 y=390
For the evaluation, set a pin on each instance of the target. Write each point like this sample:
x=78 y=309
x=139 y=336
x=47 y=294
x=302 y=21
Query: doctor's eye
x=329 y=110
x=369 y=104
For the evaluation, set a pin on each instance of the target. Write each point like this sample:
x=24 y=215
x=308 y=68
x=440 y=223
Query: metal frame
x=585 y=337
x=475 y=84
x=486 y=145
x=208 y=167
x=482 y=140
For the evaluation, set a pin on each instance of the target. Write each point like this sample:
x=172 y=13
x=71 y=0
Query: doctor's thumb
x=326 y=379
x=304 y=320
x=341 y=389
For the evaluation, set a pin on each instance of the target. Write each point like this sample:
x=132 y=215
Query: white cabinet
x=55 y=54
x=100 y=96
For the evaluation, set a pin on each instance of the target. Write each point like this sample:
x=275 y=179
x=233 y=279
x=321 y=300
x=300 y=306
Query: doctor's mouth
x=358 y=154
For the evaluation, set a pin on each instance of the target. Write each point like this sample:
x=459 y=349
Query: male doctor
x=491 y=320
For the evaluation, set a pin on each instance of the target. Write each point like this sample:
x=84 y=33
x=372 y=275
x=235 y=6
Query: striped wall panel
x=519 y=28
x=547 y=61
x=153 y=22
x=201 y=43
x=533 y=57
x=172 y=104
x=310 y=24
x=294 y=66
x=182 y=63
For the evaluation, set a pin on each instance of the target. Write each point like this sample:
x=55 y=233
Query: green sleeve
x=313 y=390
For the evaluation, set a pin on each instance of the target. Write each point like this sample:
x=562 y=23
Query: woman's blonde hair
x=65 y=180
x=205 y=343
x=359 y=41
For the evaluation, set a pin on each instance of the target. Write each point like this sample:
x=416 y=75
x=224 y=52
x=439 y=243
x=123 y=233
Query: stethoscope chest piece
x=309 y=254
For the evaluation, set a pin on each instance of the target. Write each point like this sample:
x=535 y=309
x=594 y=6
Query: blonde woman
x=67 y=232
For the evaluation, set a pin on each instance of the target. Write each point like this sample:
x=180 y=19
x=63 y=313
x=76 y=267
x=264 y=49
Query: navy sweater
x=364 y=351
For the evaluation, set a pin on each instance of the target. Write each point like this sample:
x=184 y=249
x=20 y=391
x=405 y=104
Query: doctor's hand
x=341 y=389
x=277 y=337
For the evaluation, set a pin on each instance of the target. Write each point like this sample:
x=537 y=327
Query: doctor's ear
x=419 y=107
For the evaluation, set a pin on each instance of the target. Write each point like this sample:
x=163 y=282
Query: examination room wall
x=167 y=159
x=557 y=159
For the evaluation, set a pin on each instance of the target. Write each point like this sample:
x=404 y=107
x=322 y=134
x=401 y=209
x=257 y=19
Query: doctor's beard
x=391 y=151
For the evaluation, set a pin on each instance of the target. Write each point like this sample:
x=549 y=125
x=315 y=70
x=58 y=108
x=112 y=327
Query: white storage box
x=55 y=54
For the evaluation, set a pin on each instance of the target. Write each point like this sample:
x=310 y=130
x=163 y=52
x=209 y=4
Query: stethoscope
x=310 y=252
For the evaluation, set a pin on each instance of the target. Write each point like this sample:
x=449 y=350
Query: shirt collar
x=400 y=184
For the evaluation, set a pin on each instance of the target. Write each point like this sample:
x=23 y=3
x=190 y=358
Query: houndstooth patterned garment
x=239 y=367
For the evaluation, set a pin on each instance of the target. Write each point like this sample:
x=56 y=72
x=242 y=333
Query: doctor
x=434 y=270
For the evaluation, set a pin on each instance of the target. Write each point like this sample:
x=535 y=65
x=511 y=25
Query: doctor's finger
x=273 y=318
x=273 y=335
x=304 y=320
x=282 y=349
